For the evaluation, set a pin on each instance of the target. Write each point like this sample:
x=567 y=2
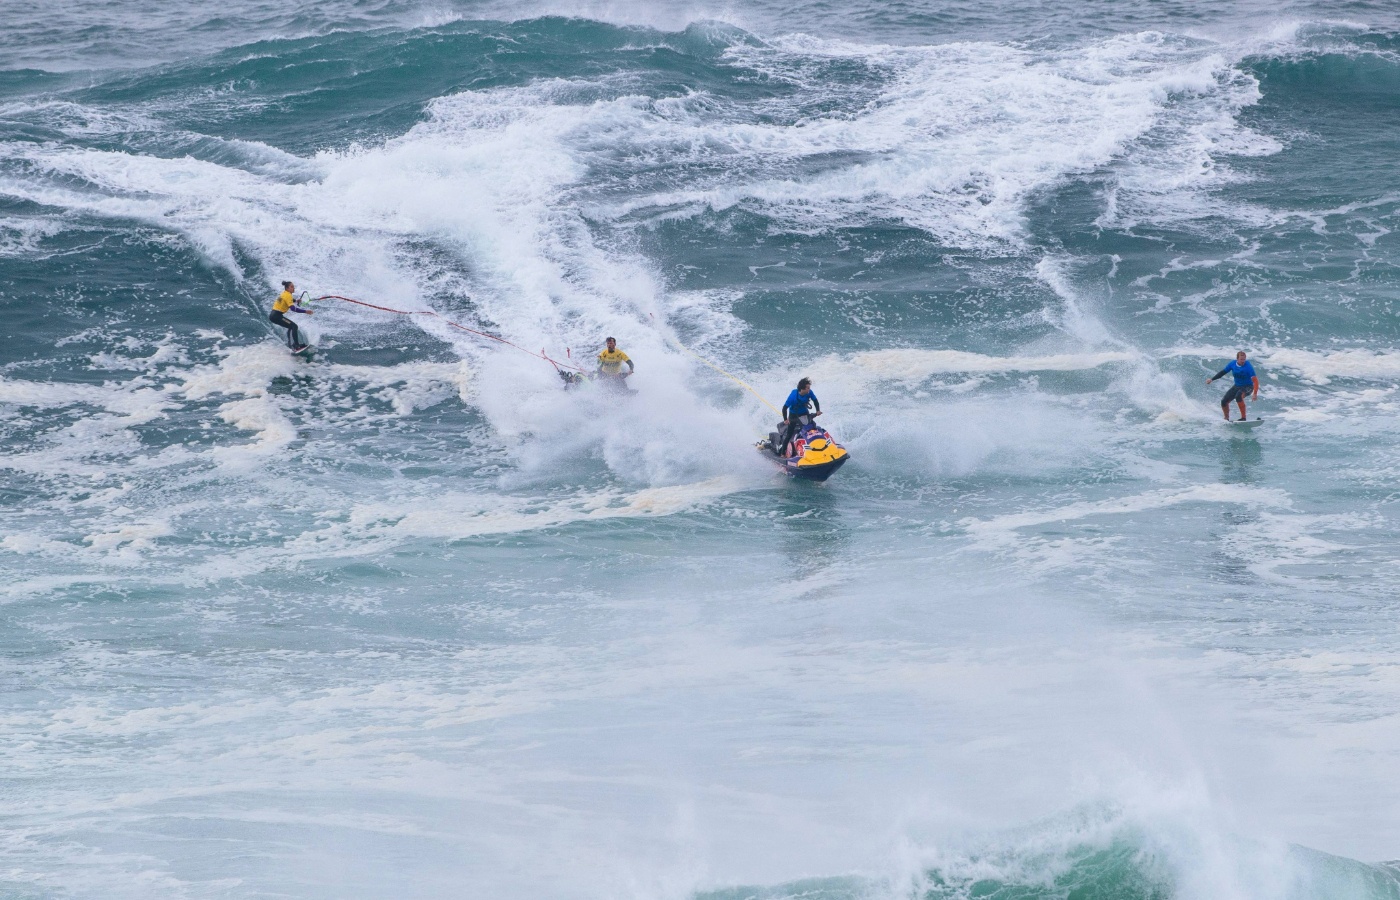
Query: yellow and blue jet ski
x=813 y=454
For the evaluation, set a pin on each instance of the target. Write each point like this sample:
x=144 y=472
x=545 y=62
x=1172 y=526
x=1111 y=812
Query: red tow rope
x=425 y=312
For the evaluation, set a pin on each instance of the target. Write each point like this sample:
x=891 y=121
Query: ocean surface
x=408 y=620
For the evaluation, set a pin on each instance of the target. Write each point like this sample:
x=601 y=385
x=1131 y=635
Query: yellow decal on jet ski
x=821 y=452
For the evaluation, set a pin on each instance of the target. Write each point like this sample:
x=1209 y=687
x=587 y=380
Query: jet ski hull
x=818 y=472
x=815 y=454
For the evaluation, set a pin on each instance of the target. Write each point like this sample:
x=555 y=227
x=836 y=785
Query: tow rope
x=558 y=366
x=712 y=365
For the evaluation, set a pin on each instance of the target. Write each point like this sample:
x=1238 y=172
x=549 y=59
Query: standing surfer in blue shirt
x=1244 y=380
x=795 y=411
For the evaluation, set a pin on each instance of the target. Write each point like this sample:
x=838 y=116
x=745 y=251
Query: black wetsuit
x=1236 y=393
x=293 y=333
x=796 y=415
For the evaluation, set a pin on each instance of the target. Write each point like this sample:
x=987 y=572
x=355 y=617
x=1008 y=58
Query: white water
x=412 y=621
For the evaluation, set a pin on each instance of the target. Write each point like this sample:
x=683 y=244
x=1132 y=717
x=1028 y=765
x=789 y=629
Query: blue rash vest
x=796 y=404
x=1244 y=374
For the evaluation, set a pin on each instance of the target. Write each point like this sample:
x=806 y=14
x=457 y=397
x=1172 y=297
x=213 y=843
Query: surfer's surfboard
x=304 y=352
x=1246 y=425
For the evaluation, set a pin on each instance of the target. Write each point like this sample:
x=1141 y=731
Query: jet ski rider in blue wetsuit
x=795 y=412
x=1244 y=380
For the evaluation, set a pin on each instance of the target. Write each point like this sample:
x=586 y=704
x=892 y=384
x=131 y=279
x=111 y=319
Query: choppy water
x=410 y=621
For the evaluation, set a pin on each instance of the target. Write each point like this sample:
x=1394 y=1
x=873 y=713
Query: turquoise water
x=409 y=620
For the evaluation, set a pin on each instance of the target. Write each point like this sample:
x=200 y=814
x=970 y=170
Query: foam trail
x=934 y=152
x=1002 y=525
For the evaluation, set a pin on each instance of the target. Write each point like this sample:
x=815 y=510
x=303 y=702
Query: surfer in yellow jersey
x=286 y=302
x=610 y=365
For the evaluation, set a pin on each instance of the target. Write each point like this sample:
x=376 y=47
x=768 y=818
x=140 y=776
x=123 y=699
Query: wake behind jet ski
x=814 y=453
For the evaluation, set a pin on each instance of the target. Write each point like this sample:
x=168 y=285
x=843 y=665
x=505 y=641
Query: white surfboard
x=1245 y=425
